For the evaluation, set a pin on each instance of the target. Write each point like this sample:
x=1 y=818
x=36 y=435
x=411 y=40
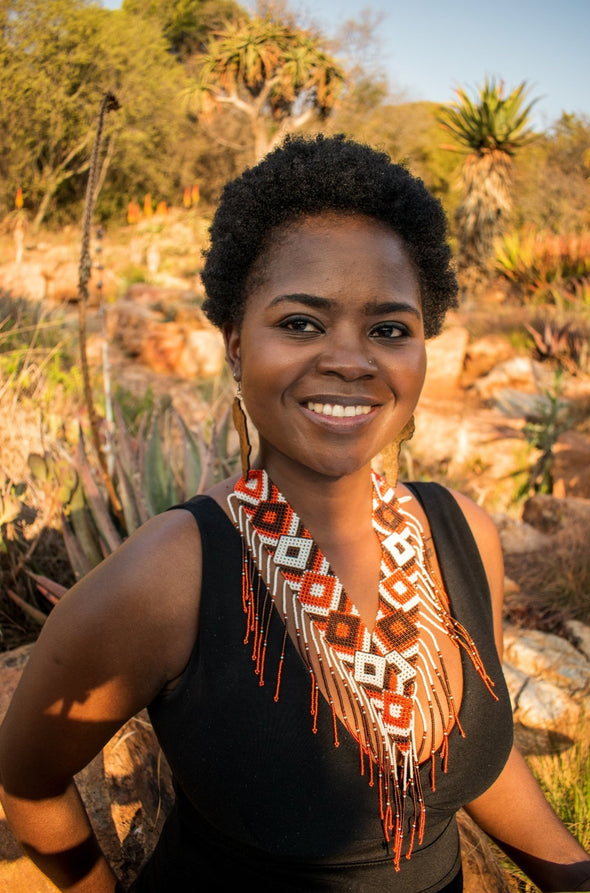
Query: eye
x=301 y=325
x=389 y=330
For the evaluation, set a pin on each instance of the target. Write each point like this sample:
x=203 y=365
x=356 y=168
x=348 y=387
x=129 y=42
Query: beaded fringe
x=390 y=764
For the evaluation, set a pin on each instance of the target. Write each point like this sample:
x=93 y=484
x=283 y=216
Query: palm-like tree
x=490 y=129
x=276 y=75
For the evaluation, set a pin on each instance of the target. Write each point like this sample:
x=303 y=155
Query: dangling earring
x=390 y=455
x=241 y=426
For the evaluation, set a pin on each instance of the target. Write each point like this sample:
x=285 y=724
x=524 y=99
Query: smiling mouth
x=337 y=410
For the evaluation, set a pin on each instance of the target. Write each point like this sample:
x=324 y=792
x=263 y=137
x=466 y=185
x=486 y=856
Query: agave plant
x=561 y=343
x=162 y=464
x=546 y=417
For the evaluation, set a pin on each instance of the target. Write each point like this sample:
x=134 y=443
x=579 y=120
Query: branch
x=233 y=99
x=290 y=123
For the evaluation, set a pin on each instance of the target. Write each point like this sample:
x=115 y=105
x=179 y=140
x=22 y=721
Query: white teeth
x=338 y=410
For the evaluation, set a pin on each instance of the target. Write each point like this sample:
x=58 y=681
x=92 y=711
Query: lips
x=338 y=410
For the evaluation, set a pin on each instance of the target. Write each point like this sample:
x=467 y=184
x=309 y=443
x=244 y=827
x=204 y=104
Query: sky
x=427 y=48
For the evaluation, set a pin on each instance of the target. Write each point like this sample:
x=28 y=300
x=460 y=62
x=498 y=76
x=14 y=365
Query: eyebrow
x=371 y=308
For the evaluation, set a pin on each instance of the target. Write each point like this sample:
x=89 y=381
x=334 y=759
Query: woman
x=317 y=650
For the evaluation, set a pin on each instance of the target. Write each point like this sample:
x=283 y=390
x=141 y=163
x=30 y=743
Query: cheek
x=410 y=372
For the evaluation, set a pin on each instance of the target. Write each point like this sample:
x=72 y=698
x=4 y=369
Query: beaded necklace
x=371 y=679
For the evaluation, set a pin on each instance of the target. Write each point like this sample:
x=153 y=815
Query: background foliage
x=57 y=57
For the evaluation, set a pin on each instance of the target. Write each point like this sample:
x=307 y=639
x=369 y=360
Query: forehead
x=334 y=253
x=333 y=248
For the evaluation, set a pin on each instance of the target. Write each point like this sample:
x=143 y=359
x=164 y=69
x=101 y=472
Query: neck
x=333 y=508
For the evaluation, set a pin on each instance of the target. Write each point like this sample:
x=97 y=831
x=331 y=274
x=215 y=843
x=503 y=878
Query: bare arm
x=107 y=649
x=514 y=811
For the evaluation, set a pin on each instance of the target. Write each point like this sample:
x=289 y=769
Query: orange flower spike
x=195 y=194
x=18 y=201
x=186 y=197
x=133 y=213
x=147 y=205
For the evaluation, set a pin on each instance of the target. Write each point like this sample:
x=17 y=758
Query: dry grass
x=35 y=535
x=34 y=401
x=564 y=776
x=555 y=582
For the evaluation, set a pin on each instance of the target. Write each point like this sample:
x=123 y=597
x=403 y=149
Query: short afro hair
x=310 y=176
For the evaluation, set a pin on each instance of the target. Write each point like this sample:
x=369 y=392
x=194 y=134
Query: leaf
x=96 y=502
x=34 y=613
x=192 y=459
x=10 y=509
x=49 y=588
x=39 y=467
x=158 y=478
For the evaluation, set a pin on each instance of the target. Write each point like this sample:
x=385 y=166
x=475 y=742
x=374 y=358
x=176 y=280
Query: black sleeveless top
x=262 y=799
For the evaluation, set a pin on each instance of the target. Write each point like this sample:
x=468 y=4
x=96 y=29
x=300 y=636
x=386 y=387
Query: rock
x=581 y=633
x=126 y=789
x=548 y=656
x=170 y=338
x=571 y=465
x=549 y=514
x=24 y=280
x=483 y=355
x=12 y=664
x=205 y=352
x=62 y=281
x=541 y=705
x=446 y=356
x=520 y=373
x=548 y=678
x=518 y=537
x=159 y=298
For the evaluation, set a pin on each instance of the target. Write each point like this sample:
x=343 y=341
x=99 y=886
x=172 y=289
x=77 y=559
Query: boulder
x=483 y=355
x=166 y=335
x=126 y=789
x=581 y=635
x=519 y=537
x=518 y=373
x=549 y=514
x=571 y=465
x=24 y=280
x=548 y=678
x=446 y=356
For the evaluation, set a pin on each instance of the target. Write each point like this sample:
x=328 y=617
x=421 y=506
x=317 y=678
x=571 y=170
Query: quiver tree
x=275 y=75
x=489 y=130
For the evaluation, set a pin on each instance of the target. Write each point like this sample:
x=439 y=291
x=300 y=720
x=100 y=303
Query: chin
x=340 y=469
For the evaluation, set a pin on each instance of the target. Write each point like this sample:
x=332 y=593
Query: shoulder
x=482 y=526
x=141 y=603
x=108 y=648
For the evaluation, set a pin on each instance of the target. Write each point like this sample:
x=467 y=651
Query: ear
x=231 y=338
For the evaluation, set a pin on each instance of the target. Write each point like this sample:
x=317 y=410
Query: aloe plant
x=545 y=267
x=547 y=416
x=163 y=464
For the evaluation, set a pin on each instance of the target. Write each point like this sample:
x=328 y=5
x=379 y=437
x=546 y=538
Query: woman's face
x=330 y=353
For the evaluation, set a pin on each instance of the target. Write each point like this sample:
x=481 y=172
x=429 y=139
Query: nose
x=346 y=354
